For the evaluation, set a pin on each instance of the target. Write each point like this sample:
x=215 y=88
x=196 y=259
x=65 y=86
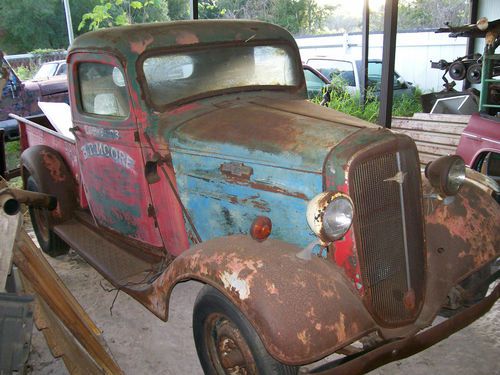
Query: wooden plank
x=435 y=127
x=48 y=286
x=60 y=342
x=442 y=139
x=464 y=119
x=432 y=148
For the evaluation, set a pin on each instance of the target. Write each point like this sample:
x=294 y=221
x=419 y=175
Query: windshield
x=176 y=76
x=46 y=70
x=375 y=73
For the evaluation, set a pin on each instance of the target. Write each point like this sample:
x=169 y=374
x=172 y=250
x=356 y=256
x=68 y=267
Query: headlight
x=329 y=215
x=446 y=174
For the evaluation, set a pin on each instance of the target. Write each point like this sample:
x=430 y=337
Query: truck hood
x=47 y=87
x=292 y=134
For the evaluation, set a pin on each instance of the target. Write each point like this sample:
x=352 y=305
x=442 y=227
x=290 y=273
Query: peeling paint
x=233 y=282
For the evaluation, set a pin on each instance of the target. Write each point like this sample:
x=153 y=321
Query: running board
x=114 y=262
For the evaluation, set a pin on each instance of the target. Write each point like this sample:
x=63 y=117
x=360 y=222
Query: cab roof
x=136 y=39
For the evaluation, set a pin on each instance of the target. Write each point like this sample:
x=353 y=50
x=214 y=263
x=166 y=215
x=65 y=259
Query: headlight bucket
x=330 y=215
x=446 y=174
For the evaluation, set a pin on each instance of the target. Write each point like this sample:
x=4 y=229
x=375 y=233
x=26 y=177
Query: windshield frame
x=296 y=63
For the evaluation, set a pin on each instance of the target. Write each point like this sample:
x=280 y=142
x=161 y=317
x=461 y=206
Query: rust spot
x=141 y=45
x=271 y=288
x=304 y=337
x=186 y=37
x=53 y=164
x=409 y=300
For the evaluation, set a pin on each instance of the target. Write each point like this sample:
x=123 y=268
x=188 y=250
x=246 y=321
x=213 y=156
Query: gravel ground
x=143 y=344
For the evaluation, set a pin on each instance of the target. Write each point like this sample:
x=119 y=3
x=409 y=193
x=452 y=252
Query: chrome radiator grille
x=384 y=184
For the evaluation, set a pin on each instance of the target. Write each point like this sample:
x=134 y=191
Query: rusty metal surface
x=462 y=236
x=53 y=177
x=275 y=290
x=404 y=348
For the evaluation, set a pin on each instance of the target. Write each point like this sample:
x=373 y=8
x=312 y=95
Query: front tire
x=50 y=243
x=226 y=342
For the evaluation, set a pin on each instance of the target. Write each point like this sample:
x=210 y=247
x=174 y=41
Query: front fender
x=463 y=235
x=302 y=310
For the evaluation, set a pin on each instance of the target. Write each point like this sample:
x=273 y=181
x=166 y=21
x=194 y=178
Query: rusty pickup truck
x=193 y=154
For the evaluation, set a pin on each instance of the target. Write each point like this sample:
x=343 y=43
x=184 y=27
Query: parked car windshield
x=45 y=71
x=375 y=73
x=176 y=76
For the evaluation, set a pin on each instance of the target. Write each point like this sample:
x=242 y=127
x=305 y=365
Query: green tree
x=297 y=16
x=123 y=12
x=179 y=9
x=432 y=14
x=26 y=25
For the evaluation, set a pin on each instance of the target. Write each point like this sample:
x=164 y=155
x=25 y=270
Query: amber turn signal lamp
x=261 y=228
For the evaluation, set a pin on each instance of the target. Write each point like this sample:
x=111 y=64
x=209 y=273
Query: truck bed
x=37 y=130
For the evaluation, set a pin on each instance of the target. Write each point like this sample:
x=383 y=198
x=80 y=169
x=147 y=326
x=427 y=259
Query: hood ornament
x=398 y=177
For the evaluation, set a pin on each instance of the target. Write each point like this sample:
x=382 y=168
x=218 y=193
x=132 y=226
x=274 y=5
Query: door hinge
x=136 y=136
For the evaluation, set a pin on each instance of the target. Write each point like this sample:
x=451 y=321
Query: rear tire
x=50 y=243
x=226 y=342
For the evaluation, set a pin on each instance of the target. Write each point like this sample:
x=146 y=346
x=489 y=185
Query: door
x=110 y=156
x=11 y=89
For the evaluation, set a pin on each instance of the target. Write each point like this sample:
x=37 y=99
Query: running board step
x=116 y=264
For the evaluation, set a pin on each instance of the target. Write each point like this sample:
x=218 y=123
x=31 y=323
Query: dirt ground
x=143 y=344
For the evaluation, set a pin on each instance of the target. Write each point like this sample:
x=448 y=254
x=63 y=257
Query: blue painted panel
x=220 y=206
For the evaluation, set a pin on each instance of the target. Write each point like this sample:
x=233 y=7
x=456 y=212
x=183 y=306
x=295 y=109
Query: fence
x=29 y=59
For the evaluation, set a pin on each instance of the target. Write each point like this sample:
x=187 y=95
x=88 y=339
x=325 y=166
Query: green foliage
x=412 y=15
x=342 y=101
x=26 y=72
x=430 y=14
x=12 y=152
x=297 y=16
x=179 y=9
x=123 y=12
x=30 y=24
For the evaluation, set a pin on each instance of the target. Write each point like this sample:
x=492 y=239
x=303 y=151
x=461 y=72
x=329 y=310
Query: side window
x=103 y=90
x=62 y=69
x=333 y=69
x=312 y=79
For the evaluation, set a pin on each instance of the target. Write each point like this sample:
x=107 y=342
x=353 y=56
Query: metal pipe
x=364 y=52
x=69 y=24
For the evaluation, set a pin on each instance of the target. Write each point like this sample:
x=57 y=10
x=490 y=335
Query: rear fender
x=53 y=177
x=302 y=310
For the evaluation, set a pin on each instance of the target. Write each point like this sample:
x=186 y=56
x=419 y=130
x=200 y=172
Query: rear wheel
x=50 y=243
x=226 y=342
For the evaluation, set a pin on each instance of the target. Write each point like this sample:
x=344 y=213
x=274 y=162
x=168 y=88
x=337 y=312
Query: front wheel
x=50 y=243
x=226 y=342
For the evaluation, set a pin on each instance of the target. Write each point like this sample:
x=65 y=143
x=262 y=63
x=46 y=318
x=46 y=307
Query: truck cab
x=194 y=154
